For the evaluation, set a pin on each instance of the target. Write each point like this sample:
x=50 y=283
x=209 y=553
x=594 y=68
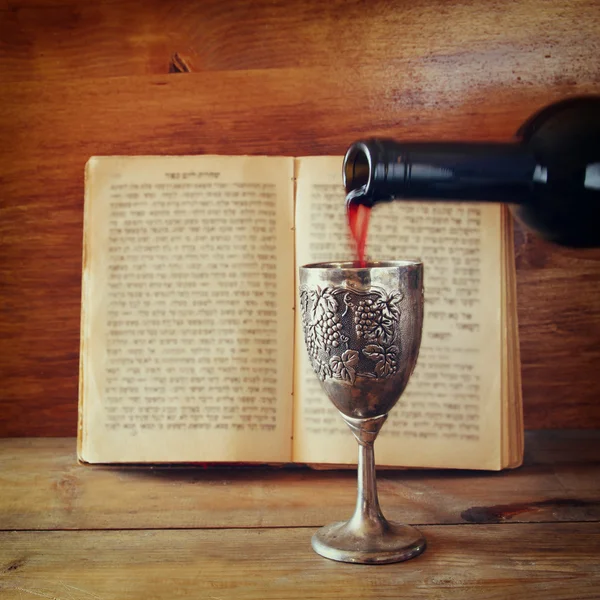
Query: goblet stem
x=367 y=515
x=367 y=537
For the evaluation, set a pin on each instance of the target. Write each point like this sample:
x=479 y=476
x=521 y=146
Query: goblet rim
x=367 y=266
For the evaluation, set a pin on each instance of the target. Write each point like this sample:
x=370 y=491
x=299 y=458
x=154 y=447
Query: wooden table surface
x=291 y=77
x=74 y=532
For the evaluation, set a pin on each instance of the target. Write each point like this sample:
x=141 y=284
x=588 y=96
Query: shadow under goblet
x=362 y=328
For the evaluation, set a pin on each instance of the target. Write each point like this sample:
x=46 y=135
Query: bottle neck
x=382 y=170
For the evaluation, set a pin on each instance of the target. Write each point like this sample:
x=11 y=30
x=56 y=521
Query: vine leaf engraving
x=323 y=302
x=384 y=331
x=386 y=358
x=391 y=305
x=304 y=303
x=388 y=308
x=323 y=370
x=343 y=367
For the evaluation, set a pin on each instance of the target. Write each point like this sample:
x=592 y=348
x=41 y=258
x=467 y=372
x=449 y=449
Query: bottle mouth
x=357 y=168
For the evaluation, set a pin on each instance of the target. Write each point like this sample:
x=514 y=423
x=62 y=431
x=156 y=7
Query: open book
x=191 y=346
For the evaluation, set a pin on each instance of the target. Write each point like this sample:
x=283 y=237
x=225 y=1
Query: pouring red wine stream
x=358 y=221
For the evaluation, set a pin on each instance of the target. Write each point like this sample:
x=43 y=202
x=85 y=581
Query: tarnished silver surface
x=362 y=328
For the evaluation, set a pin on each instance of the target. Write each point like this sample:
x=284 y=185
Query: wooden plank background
x=279 y=77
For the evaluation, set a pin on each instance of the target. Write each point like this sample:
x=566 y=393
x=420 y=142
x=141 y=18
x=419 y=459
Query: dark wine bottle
x=550 y=175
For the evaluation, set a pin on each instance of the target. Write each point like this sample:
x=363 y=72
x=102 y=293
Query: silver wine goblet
x=362 y=328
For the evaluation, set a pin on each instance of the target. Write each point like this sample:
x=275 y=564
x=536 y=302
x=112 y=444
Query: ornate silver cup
x=362 y=328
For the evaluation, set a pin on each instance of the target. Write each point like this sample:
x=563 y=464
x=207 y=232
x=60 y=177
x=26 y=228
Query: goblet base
x=341 y=542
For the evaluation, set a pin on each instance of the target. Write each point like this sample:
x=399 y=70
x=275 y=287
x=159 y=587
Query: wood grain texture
x=515 y=42
x=291 y=78
x=44 y=488
x=522 y=561
x=96 y=533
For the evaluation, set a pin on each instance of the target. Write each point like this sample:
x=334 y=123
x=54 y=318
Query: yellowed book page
x=450 y=414
x=187 y=310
